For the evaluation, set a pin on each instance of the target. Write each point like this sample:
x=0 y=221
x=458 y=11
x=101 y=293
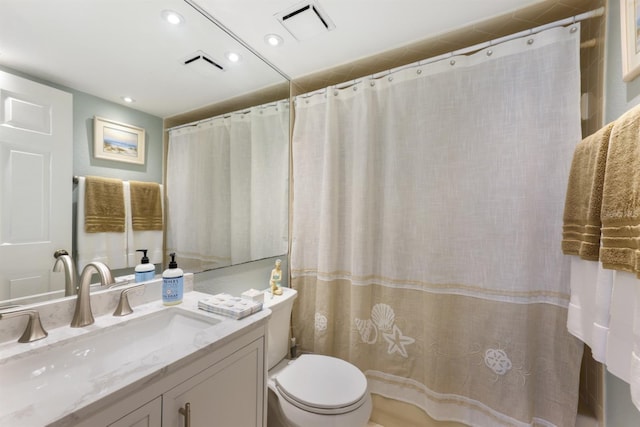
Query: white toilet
x=312 y=390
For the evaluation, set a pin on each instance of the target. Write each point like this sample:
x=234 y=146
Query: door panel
x=36 y=163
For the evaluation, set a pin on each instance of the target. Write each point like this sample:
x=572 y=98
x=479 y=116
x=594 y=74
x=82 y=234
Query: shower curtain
x=227 y=188
x=427 y=210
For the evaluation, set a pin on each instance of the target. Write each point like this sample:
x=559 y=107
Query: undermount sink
x=100 y=358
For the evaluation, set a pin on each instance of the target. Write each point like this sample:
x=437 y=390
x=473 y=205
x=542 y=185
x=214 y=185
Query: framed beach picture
x=630 y=28
x=118 y=141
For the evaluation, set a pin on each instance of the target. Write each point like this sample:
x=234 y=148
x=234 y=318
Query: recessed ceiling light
x=273 y=40
x=128 y=99
x=232 y=56
x=172 y=17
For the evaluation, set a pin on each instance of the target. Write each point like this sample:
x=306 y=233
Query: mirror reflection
x=71 y=49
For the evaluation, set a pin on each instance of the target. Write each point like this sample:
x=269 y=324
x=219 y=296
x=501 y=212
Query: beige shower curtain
x=427 y=211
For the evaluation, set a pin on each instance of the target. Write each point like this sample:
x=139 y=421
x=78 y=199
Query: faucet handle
x=34 y=330
x=124 y=307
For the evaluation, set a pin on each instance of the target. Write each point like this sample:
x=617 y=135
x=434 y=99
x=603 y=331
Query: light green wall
x=619 y=97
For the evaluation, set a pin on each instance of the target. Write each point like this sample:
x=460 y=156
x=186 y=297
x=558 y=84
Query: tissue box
x=253 y=295
x=230 y=306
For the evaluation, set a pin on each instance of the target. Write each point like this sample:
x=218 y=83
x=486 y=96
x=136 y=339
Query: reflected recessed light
x=273 y=40
x=232 y=56
x=172 y=17
x=128 y=99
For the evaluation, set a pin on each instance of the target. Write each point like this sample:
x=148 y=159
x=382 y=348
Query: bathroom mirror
x=116 y=48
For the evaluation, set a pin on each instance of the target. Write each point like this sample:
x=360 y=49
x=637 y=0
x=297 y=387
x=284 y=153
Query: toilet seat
x=339 y=387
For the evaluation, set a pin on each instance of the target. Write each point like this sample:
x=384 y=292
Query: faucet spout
x=65 y=263
x=83 y=315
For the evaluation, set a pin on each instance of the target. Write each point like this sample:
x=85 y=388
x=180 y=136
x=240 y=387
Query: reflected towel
x=151 y=240
x=109 y=247
x=103 y=205
x=581 y=228
x=620 y=213
x=146 y=206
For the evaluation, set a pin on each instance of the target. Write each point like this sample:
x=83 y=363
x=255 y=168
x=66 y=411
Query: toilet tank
x=279 y=323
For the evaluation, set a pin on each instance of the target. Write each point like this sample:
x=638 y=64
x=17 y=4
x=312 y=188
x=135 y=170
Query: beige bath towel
x=581 y=227
x=146 y=206
x=104 y=205
x=621 y=196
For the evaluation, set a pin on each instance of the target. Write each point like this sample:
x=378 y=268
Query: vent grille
x=201 y=60
x=305 y=20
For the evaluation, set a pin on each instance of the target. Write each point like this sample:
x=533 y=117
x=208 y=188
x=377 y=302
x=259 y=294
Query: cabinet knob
x=186 y=412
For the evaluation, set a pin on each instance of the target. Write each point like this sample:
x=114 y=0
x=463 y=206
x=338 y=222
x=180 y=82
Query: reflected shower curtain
x=227 y=188
x=427 y=211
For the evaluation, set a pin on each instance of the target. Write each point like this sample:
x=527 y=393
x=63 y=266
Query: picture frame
x=118 y=141
x=630 y=37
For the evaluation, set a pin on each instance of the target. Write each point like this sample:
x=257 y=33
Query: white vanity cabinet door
x=148 y=415
x=229 y=393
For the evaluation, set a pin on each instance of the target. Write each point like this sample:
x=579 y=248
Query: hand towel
x=152 y=240
x=600 y=332
x=620 y=340
x=108 y=247
x=620 y=212
x=581 y=228
x=146 y=206
x=580 y=315
x=103 y=205
x=634 y=375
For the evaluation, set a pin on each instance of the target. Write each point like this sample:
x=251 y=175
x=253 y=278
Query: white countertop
x=50 y=405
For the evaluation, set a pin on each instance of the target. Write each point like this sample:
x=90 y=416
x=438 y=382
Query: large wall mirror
x=176 y=74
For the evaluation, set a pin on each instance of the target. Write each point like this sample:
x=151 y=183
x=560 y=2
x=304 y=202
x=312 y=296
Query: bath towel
x=620 y=212
x=146 y=206
x=581 y=227
x=103 y=205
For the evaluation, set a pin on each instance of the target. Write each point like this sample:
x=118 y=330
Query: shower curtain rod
x=474 y=48
x=224 y=116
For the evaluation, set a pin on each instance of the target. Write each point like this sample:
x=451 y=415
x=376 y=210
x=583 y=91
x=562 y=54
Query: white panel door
x=36 y=167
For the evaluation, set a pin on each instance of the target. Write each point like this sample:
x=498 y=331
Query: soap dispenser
x=172 y=283
x=144 y=271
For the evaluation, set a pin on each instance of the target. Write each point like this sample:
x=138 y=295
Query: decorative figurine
x=276 y=278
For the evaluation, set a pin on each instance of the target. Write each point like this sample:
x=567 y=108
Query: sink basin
x=67 y=371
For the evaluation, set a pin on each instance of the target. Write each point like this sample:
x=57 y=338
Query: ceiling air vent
x=305 y=20
x=202 y=63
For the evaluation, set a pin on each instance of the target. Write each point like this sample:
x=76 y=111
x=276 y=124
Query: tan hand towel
x=104 y=205
x=621 y=196
x=581 y=228
x=146 y=206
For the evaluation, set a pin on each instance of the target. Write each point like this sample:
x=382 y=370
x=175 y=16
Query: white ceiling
x=113 y=48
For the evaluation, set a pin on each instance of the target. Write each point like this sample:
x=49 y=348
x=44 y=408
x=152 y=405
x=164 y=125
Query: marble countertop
x=60 y=404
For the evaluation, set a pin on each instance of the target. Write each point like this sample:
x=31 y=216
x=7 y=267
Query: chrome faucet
x=34 y=330
x=83 y=315
x=64 y=261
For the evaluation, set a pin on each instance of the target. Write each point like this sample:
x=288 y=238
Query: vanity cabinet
x=225 y=388
x=226 y=394
x=148 y=415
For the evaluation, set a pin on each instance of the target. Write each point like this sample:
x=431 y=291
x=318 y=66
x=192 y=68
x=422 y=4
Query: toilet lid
x=322 y=384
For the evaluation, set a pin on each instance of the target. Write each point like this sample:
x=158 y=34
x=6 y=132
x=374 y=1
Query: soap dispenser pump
x=172 y=283
x=144 y=271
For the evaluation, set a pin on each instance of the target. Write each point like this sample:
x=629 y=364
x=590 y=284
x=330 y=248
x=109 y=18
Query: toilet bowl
x=312 y=390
